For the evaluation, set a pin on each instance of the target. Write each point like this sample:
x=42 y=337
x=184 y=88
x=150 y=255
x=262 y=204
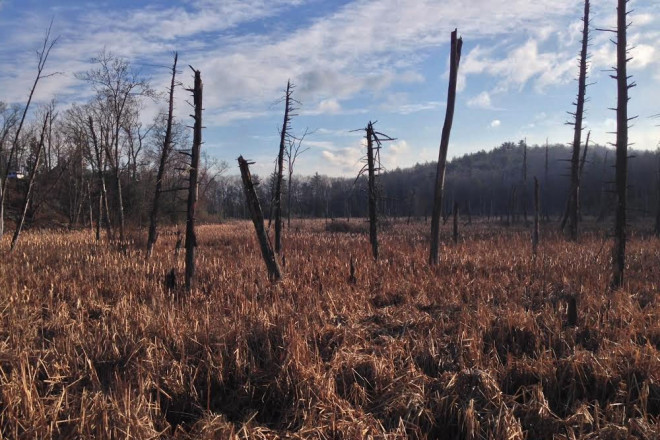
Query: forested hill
x=482 y=183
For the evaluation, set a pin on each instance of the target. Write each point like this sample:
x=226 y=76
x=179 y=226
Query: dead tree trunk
x=574 y=197
x=621 y=180
x=373 y=199
x=455 y=58
x=167 y=145
x=537 y=202
x=258 y=220
x=657 y=215
x=524 y=180
x=286 y=125
x=191 y=238
x=28 y=194
x=455 y=236
x=546 y=215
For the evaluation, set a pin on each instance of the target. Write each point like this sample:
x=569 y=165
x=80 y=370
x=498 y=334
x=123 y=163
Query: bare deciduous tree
x=42 y=57
x=118 y=87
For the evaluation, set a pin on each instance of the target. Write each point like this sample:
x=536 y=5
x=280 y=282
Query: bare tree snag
x=455 y=57
x=258 y=221
x=657 y=215
x=372 y=168
x=167 y=146
x=535 y=231
x=574 y=196
x=373 y=200
x=28 y=194
x=42 y=58
x=621 y=180
x=545 y=181
x=284 y=137
x=191 y=238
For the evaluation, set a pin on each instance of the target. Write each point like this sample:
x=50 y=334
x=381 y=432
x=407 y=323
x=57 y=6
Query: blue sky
x=352 y=61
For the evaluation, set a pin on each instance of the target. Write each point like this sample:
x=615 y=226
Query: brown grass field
x=92 y=345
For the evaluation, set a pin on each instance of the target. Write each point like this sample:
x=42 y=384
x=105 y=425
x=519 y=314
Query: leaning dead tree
x=372 y=169
x=622 y=120
x=13 y=146
x=258 y=220
x=191 y=238
x=284 y=137
x=33 y=173
x=164 y=155
x=455 y=58
x=578 y=115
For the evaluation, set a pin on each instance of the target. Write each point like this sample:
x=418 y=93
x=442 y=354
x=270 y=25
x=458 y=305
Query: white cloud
x=329 y=106
x=495 y=123
x=482 y=100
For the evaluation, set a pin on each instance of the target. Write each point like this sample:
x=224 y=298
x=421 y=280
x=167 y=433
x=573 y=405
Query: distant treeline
x=486 y=183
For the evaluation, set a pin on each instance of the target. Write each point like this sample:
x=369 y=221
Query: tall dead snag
x=657 y=215
x=455 y=58
x=284 y=136
x=535 y=231
x=574 y=196
x=191 y=239
x=28 y=194
x=167 y=146
x=372 y=168
x=373 y=201
x=621 y=179
x=258 y=220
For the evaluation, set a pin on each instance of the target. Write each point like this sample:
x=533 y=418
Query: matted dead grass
x=92 y=344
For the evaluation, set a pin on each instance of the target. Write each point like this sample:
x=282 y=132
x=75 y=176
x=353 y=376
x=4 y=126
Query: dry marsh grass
x=92 y=344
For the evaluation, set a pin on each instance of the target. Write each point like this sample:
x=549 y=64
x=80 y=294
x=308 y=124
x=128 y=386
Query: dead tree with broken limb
x=622 y=121
x=164 y=155
x=258 y=221
x=191 y=238
x=455 y=58
x=578 y=119
x=372 y=169
x=33 y=173
x=285 y=136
